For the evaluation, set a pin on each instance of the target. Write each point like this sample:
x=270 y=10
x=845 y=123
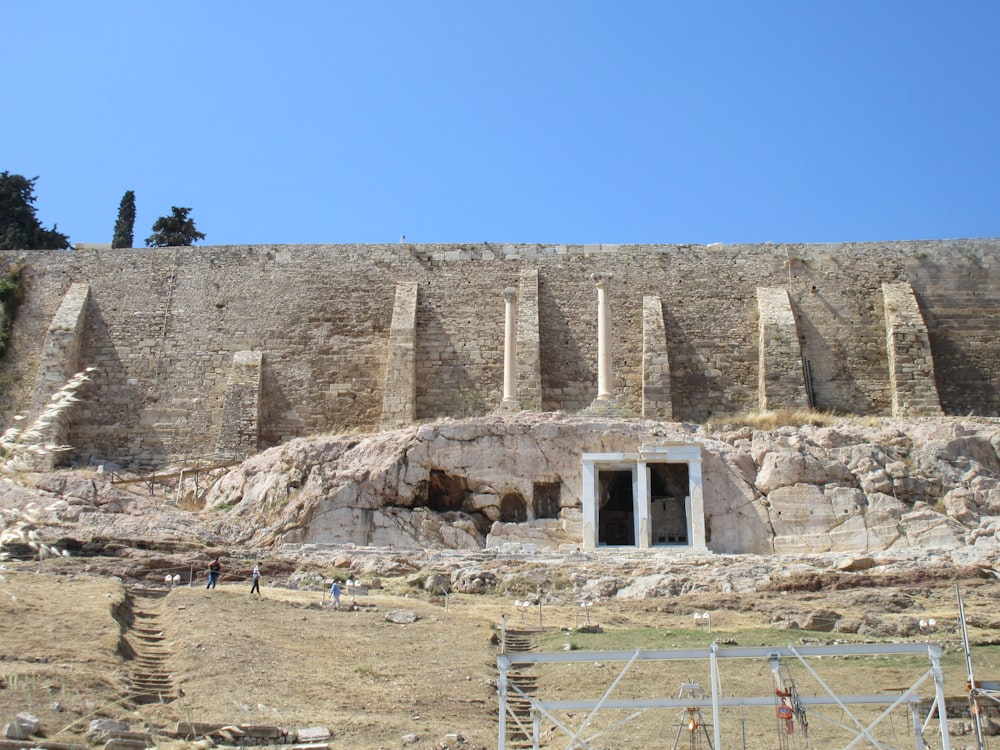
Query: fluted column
x=603 y=282
x=509 y=351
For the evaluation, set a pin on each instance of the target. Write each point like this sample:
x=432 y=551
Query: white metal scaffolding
x=862 y=732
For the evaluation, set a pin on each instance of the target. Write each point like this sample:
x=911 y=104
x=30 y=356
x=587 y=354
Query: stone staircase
x=146 y=651
x=522 y=677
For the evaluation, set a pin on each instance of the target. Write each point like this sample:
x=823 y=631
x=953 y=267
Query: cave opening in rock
x=446 y=492
x=513 y=509
x=616 y=517
x=668 y=503
x=547 y=499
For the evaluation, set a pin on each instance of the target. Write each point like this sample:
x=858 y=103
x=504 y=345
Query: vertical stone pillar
x=781 y=381
x=589 y=502
x=59 y=362
x=399 y=400
x=644 y=533
x=529 y=358
x=911 y=362
x=240 y=427
x=509 y=351
x=656 y=395
x=696 y=505
x=604 y=384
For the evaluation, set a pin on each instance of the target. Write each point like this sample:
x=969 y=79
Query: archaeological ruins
x=217 y=353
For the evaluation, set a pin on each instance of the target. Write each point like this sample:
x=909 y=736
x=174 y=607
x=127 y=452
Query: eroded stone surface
x=854 y=487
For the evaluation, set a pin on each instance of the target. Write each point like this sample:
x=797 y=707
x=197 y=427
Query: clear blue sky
x=509 y=121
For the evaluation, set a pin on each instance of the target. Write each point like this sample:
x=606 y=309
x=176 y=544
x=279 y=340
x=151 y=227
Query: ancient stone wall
x=162 y=327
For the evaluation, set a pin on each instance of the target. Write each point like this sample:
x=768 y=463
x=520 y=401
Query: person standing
x=213 y=573
x=335 y=593
x=256 y=579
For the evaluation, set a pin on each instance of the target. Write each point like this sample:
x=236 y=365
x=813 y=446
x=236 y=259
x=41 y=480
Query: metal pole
x=935 y=654
x=862 y=731
x=716 y=689
x=973 y=700
x=604 y=698
x=502 y=663
x=918 y=732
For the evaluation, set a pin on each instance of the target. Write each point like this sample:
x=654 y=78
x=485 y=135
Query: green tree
x=176 y=230
x=19 y=227
x=125 y=224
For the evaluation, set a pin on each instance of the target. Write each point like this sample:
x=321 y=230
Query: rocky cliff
x=850 y=486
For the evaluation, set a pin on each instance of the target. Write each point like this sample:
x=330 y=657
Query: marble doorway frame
x=638 y=463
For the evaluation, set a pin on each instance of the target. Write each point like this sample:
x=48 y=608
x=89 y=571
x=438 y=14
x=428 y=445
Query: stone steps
x=148 y=678
x=520 y=677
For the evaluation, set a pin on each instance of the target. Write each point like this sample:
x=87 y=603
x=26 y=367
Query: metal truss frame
x=716 y=701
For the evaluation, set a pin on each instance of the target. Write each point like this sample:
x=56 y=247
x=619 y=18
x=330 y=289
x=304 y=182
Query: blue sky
x=551 y=122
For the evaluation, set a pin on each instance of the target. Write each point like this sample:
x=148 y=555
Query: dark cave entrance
x=668 y=504
x=616 y=508
x=547 y=498
x=513 y=508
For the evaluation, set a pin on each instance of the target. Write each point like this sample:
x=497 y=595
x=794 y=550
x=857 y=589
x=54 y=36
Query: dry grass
x=772 y=420
x=284 y=660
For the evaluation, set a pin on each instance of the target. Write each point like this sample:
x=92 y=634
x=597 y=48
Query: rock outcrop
x=856 y=486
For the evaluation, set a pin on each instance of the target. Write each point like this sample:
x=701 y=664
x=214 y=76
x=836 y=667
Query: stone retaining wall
x=162 y=327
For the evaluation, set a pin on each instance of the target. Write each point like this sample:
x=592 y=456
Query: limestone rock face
x=512 y=484
x=854 y=487
x=463 y=484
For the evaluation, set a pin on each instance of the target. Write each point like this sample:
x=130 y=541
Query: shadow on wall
x=688 y=384
x=963 y=387
x=567 y=384
x=278 y=418
x=961 y=367
x=445 y=373
x=112 y=401
x=832 y=385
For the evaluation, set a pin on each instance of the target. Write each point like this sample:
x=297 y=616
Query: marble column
x=603 y=282
x=509 y=359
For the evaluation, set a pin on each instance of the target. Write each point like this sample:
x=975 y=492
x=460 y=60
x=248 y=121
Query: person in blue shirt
x=335 y=594
x=213 y=573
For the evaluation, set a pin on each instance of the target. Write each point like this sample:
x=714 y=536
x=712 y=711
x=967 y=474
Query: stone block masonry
x=656 y=399
x=400 y=396
x=529 y=358
x=911 y=366
x=60 y=360
x=162 y=327
x=780 y=373
x=239 y=433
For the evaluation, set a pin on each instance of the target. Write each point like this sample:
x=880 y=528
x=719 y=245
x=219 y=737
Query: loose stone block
x=313 y=734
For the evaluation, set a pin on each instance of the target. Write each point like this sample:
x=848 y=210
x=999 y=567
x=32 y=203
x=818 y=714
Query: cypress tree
x=126 y=221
